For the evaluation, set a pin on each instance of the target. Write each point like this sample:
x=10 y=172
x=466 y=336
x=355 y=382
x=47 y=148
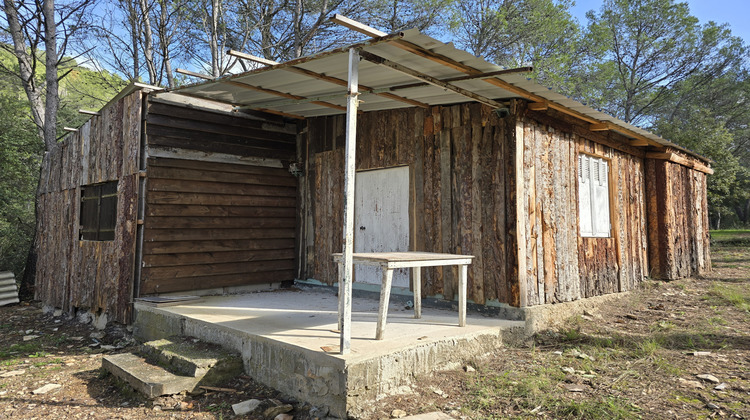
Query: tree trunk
x=52 y=97
x=148 y=43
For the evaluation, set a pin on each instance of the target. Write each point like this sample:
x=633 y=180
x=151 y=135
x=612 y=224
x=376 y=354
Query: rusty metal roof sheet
x=251 y=89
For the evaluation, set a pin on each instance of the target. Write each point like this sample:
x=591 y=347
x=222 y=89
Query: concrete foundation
x=288 y=340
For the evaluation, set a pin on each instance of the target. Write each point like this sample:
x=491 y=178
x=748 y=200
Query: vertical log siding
x=90 y=275
x=458 y=155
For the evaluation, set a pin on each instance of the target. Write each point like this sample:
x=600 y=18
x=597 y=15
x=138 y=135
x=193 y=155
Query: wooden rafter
x=284 y=94
x=87 y=112
x=538 y=106
x=194 y=74
x=357 y=26
x=329 y=79
x=681 y=160
x=428 y=79
x=599 y=127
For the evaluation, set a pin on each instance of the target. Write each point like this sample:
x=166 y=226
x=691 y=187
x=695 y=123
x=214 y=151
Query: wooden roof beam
x=284 y=95
x=356 y=26
x=250 y=57
x=680 y=160
x=330 y=79
x=87 y=112
x=194 y=74
x=428 y=79
x=70 y=129
x=538 y=106
x=603 y=126
x=639 y=142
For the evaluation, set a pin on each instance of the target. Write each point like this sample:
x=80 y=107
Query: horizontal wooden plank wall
x=458 y=158
x=213 y=224
x=561 y=265
x=678 y=220
x=172 y=126
x=90 y=275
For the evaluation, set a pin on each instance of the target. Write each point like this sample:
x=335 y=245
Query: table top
x=406 y=256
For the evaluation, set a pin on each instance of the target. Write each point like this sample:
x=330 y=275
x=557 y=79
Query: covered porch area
x=289 y=340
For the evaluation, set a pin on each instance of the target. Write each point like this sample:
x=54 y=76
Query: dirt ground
x=638 y=358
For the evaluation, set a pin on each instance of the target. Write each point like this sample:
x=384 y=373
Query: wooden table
x=388 y=261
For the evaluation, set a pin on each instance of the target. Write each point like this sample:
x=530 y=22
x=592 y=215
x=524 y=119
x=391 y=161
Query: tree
x=515 y=33
x=641 y=49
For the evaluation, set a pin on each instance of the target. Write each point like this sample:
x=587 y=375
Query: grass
x=730 y=237
x=732 y=294
x=538 y=392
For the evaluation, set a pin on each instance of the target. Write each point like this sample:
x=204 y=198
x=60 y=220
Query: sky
x=734 y=12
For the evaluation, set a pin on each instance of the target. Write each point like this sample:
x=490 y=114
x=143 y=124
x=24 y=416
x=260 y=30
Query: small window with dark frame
x=98 y=211
x=593 y=196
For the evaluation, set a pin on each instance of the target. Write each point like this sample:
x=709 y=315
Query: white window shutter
x=584 y=196
x=600 y=203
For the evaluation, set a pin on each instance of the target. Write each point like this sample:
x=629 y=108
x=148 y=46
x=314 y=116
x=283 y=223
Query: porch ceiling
x=315 y=85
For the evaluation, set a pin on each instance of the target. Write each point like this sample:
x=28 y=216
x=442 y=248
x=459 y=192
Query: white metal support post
x=345 y=278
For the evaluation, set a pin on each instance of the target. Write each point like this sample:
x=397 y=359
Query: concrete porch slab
x=288 y=341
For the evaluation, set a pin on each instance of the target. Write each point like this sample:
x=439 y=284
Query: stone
x=712 y=406
x=397 y=414
x=569 y=370
x=700 y=353
x=97 y=335
x=573 y=387
x=284 y=416
x=690 y=384
x=469 y=369
x=273 y=411
x=12 y=373
x=722 y=386
x=245 y=407
x=708 y=378
x=45 y=389
x=29 y=337
x=318 y=412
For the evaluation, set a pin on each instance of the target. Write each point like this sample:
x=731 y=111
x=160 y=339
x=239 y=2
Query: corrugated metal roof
x=253 y=89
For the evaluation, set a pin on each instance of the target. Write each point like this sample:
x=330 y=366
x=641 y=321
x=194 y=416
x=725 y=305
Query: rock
x=284 y=417
x=45 y=389
x=318 y=412
x=29 y=337
x=690 y=384
x=107 y=347
x=708 y=378
x=97 y=335
x=573 y=387
x=558 y=353
x=587 y=318
x=722 y=386
x=397 y=414
x=469 y=369
x=245 y=407
x=712 y=406
x=12 y=373
x=273 y=411
x=438 y=391
x=569 y=370
x=590 y=313
x=700 y=353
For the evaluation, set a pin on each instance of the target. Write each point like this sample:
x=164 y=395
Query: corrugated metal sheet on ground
x=8 y=289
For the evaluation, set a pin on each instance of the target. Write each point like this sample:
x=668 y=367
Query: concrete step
x=192 y=357
x=148 y=379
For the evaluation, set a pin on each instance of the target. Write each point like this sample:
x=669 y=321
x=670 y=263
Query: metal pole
x=345 y=286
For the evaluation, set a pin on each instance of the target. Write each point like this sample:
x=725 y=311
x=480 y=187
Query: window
x=98 y=211
x=593 y=196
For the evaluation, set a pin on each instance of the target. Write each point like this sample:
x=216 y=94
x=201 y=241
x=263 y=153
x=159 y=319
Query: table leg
x=462 y=275
x=341 y=296
x=385 y=296
x=417 y=271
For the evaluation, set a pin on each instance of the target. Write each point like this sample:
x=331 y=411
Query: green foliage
x=21 y=148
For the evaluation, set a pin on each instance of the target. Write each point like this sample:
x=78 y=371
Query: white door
x=381 y=219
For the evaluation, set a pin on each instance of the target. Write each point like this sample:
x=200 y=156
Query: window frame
x=594 y=210
x=94 y=199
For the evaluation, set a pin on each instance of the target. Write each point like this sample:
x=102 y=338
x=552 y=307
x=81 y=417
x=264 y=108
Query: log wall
x=459 y=159
x=678 y=220
x=90 y=275
x=560 y=265
x=504 y=190
x=210 y=221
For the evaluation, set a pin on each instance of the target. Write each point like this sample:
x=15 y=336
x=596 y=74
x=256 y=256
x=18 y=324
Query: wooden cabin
x=224 y=185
